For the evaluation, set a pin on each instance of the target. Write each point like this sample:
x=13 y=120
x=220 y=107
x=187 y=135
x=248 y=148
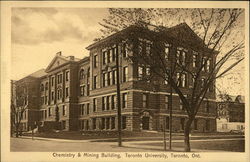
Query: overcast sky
x=39 y=33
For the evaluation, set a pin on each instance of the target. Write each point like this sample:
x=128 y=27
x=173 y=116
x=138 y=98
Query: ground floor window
x=107 y=123
x=167 y=122
x=87 y=125
x=103 y=123
x=124 y=121
x=94 y=123
x=112 y=122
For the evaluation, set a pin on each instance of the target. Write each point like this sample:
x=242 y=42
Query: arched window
x=42 y=87
x=81 y=74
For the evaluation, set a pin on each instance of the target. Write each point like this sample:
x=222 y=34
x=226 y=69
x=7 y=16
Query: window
x=94 y=104
x=203 y=64
x=208 y=65
x=81 y=74
x=167 y=122
x=166 y=101
x=182 y=123
x=52 y=81
x=109 y=78
x=107 y=123
x=104 y=57
x=140 y=72
x=195 y=124
x=95 y=61
x=46 y=86
x=104 y=78
x=112 y=122
x=67 y=92
x=181 y=56
x=207 y=106
x=103 y=103
x=181 y=105
x=87 y=124
x=45 y=114
x=144 y=100
x=42 y=87
x=52 y=96
x=167 y=51
x=95 y=82
x=82 y=107
x=181 y=79
x=82 y=90
x=125 y=74
x=124 y=121
x=87 y=90
x=87 y=108
x=67 y=76
x=50 y=111
x=63 y=110
x=108 y=103
x=114 y=77
x=46 y=99
x=195 y=59
x=94 y=123
x=114 y=53
x=124 y=50
x=103 y=123
x=42 y=100
x=113 y=102
x=148 y=48
x=124 y=100
x=82 y=124
x=108 y=56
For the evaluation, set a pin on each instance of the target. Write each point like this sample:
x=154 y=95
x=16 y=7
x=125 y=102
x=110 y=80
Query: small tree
x=218 y=53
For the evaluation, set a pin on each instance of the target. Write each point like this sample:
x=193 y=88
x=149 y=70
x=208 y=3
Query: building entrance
x=145 y=123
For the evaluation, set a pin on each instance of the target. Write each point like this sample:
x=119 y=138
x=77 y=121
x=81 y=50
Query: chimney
x=72 y=58
x=59 y=53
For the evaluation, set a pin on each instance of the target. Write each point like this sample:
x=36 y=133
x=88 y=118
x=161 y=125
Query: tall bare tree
x=19 y=105
x=220 y=43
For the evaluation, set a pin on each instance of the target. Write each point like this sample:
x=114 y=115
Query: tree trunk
x=186 y=134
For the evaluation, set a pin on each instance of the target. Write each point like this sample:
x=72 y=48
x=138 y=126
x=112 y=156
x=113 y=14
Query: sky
x=37 y=34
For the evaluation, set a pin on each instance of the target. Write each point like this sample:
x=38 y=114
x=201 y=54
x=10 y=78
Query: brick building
x=80 y=94
x=231 y=114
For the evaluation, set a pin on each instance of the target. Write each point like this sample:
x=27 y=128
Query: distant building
x=231 y=114
x=80 y=94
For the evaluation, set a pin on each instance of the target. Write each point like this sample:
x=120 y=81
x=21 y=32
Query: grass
x=107 y=135
x=235 y=146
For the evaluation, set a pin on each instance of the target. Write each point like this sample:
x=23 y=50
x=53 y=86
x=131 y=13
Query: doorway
x=145 y=123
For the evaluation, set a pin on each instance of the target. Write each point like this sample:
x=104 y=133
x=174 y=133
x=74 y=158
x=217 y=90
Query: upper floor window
x=82 y=90
x=59 y=78
x=207 y=106
x=125 y=74
x=104 y=57
x=181 y=105
x=52 y=96
x=140 y=72
x=203 y=63
x=166 y=101
x=42 y=87
x=181 y=79
x=94 y=105
x=208 y=66
x=67 y=92
x=46 y=86
x=81 y=74
x=82 y=109
x=95 y=82
x=113 y=102
x=113 y=52
x=124 y=100
x=167 y=51
x=52 y=81
x=95 y=61
x=195 y=59
x=67 y=76
x=87 y=108
x=50 y=111
x=114 y=77
x=64 y=110
x=181 y=56
x=124 y=50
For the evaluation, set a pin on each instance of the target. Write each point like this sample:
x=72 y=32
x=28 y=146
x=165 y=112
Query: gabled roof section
x=38 y=74
x=60 y=60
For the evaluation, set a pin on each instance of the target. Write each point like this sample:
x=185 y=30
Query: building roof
x=38 y=74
